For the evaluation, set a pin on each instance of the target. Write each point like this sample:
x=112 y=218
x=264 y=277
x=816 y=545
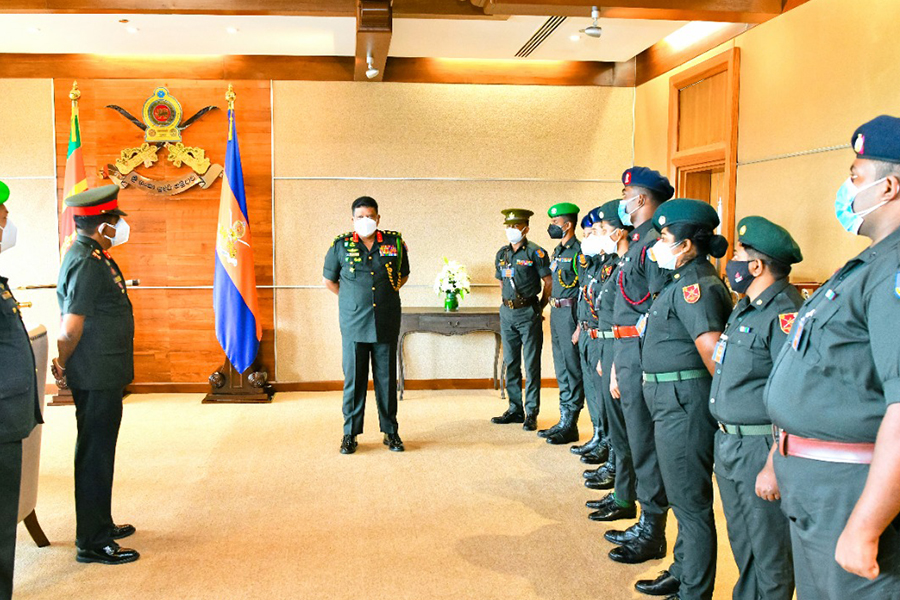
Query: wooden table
x=465 y=320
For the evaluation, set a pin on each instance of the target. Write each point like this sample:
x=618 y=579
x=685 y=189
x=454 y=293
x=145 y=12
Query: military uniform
x=753 y=337
x=593 y=273
x=676 y=387
x=521 y=274
x=369 y=313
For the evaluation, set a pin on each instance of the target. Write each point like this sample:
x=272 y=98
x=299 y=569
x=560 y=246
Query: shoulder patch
x=542 y=254
x=583 y=260
x=691 y=293
x=786 y=321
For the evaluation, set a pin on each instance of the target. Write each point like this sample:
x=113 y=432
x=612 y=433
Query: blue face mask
x=843 y=205
x=624 y=215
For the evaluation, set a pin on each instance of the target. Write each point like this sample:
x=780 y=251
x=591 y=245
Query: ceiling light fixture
x=371 y=72
x=231 y=30
x=574 y=37
x=692 y=33
x=594 y=30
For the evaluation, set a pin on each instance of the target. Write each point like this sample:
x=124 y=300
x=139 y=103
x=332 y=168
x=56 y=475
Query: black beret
x=769 y=238
x=685 y=210
x=650 y=179
x=879 y=139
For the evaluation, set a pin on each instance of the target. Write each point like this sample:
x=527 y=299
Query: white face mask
x=592 y=245
x=364 y=226
x=664 y=256
x=122 y=229
x=607 y=244
x=10 y=233
x=514 y=235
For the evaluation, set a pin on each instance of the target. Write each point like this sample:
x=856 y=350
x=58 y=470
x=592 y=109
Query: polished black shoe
x=548 y=432
x=620 y=536
x=650 y=543
x=664 y=585
x=530 y=423
x=121 y=531
x=590 y=446
x=112 y=554
x=607 y=482
x=611 y=511
x=348 y=444
x=598 y=456
x=510 y=416
x=393 y=442
x=601 y=472
x=568 y=431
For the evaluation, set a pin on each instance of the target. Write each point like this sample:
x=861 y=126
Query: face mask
x=739 y=276
x=514 y=235
x=555 y=231
x=122 y=229
x=624 y=215
x=364 y=226
x=9 y=235
x=664 y=255
x=592 y=245
x=607 y=244
x=843 y=205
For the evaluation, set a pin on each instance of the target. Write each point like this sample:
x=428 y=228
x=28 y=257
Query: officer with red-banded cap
x=834 y=396
x=96 y=361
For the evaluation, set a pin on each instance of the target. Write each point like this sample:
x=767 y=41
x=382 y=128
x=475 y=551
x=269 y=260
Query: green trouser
x=684 y=432
x=566 y=361
x=522 y=333
x=615 y=429
x=356 y=381
x=589 y=353
x=10 y=481
x=817 y=498
x=757 y=529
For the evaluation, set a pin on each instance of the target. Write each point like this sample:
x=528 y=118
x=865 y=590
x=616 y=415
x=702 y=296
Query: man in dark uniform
x=523 y=269
x=638 y=280
x=96 y=361
x=834 y=396
x=567 y=364
x=758 y=531
x=366 y=269
x=20 y=409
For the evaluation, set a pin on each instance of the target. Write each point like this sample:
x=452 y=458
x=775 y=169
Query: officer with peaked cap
x=523 y=269
x=753 y=337
x=20 y=409
x=834 y=396
x=96 y=361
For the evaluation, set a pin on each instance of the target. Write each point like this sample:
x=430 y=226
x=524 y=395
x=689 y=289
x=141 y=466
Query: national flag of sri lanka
x=75 y=182
x=238 y=328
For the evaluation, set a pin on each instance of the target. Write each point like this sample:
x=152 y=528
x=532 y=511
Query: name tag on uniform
x=387 y=250
x=509 y=272
x=553 y=265
x=524 y=263
x=642 y=324
x=719 y=350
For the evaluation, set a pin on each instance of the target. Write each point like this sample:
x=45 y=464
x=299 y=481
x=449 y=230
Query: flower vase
x=451 y=302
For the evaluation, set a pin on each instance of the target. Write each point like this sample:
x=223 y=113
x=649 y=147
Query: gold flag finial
x=75 y=94
x=230 y=96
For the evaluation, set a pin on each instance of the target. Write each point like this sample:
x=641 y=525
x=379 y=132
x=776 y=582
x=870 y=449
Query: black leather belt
x=520 y=302
x=561 y=302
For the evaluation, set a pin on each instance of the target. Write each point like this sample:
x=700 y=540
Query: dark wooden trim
x=374 y=27
x=730 y=11
x=660 y=58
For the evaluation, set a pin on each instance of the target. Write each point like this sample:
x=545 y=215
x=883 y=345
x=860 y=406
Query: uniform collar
x=888 y=244
x=89 y=241
x=764 y=299
x=641 y=231
x=569 y=244
x=378 y=237
x=689 y=266
x=523 y=247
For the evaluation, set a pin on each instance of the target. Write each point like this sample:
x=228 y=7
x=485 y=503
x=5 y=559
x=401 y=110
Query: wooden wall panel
x=173 y=237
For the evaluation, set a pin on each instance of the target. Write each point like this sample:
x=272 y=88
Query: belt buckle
x=722 y=427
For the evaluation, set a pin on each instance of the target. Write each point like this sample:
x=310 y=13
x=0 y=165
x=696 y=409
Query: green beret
x=103 y=200
x=685 y=210
x=772 y=240
x=561 y=209
x=609 y=212
x=514 y=216
x=4 y=192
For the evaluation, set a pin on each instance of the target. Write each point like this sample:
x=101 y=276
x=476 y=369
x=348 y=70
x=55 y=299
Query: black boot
x=619 y=536
x=607 y=468
x=603 y=478
x=649 y=545
x=568 y=432
x=610 y=510
x=591 y=445
x=548 y=432
x=664 y=585
x=598 y=455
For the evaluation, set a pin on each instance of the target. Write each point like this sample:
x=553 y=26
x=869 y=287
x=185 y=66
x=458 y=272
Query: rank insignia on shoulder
x=96 y=255
x=691 y=293
x=583 y=260
x=786 y=321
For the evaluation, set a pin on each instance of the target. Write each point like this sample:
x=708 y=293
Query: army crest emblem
x=786 y=321
x=691 y=293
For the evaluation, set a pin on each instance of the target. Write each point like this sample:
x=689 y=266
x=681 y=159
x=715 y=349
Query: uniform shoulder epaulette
x=389 y=232
x=95 y=254
x=342 y=236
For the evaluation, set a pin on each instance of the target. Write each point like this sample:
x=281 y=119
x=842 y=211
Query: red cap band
x=93 y=211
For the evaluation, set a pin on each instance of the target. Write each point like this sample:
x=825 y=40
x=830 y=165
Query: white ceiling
x=320 y=36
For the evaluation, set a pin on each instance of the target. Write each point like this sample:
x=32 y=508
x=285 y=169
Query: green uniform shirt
x=639 y=278
x=752 y=339
x=593 y=272
x=20 y=409
x=840 y=368
x=520 y=271
x=694 y=302
x=565 y=269
x=369 y=298
x=606 y=300
x=90 y=284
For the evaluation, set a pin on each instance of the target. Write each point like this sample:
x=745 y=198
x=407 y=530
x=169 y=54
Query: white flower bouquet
x=452 y=281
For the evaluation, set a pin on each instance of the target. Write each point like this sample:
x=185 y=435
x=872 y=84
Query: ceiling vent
x=543 y=32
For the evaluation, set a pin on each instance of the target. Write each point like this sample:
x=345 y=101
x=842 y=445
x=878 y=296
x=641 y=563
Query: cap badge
x=662 y=220
x=859 y=145
x=743 y=230
x=627 y=179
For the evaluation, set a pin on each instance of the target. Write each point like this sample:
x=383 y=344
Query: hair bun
x=718 y=246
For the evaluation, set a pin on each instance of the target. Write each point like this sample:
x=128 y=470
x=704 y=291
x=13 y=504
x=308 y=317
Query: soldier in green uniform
x=682 y=328
x=20 y=410
x=566 y=362
x=618 y=472
x=834 y=396
x=523 y=269
x=638 y=281
x=366 y=269
x=753 y=337
x=96 y=361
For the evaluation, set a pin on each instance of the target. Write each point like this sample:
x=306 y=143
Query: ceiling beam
x=373 y=38
x=731 y=11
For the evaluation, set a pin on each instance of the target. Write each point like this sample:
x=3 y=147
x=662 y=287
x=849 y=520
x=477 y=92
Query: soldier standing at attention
x=638 y=281
x=366 y=268
x=758 y=531
x=566 y=362
x=96 y=361
x=683 y=326
x=834 y=396
x=523 y=269
x=20 y=409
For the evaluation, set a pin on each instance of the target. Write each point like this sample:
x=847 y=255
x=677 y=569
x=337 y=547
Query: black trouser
x=616 y=429
x=98 y=414
x=10 y=482
x=522 y=332
x=356 y=380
